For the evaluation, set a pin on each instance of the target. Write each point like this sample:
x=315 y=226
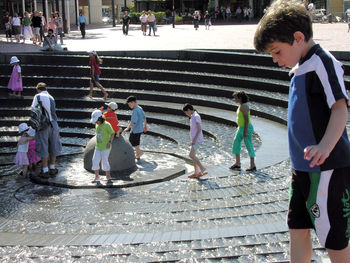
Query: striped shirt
x=318 y=83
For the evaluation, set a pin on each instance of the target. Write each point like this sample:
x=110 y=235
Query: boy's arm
x=129 y=127
x=320 y=152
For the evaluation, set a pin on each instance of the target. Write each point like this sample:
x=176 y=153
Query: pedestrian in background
x=8 y=26
x=82 y=23
x=27 y=29
x=126 y=22
x=59 y=27
x=16 y=27
x=151 y=20
x=196 y=19
x=207 y=20
x=143 y=19
x=36 y=23
x=43 y=27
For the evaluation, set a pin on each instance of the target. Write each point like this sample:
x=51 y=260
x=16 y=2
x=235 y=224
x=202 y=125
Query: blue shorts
x=96 y=78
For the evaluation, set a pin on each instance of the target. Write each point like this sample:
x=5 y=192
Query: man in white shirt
x=47 y=140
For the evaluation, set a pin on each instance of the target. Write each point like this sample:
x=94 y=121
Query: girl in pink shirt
x=196 y=134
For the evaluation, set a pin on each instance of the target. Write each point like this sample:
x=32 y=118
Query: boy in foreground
x=318 y=142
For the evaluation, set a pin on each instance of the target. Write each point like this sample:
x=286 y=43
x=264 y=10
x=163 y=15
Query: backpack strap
x=44 y=110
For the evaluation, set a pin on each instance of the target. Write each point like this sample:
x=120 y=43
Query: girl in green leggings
x=244 y=132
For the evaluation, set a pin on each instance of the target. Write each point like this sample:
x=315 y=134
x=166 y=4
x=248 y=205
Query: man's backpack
x=38 y=119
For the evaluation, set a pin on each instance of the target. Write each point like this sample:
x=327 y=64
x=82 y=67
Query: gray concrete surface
x=333 y=37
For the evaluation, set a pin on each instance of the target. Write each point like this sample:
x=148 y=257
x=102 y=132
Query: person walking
x=43 y=27
x=36 y=23
x=59 y=27
x=95 y=73
x=143 y=20
x=244 y=132
x=207 y=20
x=8 y=26
x=196 y=135
x=15 y=83
x=82 y=22
x=137 y=125
x=47 y=141
x=196 y=19
x=27 y=29
x=16 y=27
x=151 y=20
x=126 y=22
x=52 y=24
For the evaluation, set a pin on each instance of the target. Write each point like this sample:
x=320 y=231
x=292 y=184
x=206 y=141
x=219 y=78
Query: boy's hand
x=317 y=153
x=108 y=145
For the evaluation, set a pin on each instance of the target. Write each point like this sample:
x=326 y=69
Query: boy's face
x=285 y=54
x=131 y=104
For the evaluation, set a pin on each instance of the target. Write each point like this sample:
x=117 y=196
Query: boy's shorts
x=321 y=201
x=134 y=139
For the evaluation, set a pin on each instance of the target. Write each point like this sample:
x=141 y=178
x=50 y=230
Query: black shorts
x=321 y=201
x=134 y=139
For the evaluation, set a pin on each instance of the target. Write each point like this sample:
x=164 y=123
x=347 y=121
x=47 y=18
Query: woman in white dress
x=27 y=30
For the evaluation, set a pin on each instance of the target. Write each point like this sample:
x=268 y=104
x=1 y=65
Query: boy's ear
x=299 y=37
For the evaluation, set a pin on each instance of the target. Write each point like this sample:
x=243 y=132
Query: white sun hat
x=92 y=52
x=112 y=105
x=95 y=115
x=14 y=59
x=22 y=127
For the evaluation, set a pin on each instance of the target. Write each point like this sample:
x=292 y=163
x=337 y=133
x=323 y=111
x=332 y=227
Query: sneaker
x=53 y=172
x=44 y=175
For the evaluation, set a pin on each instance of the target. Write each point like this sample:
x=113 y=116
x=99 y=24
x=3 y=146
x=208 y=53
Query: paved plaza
x=157 y=214
x=333 y=37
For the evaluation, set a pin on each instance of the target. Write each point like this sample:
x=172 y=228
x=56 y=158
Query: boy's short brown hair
x=282 y=20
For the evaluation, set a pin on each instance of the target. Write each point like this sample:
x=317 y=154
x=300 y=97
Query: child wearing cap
x=137 y=125
x=104 y=139
x=111 y=117
x=15 y=83
x=21 y=157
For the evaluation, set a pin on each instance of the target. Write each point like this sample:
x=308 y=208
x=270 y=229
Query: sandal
x=204 y=172
x=193 y=176
x=251 y=169
x=235 y=167
x=95 y=180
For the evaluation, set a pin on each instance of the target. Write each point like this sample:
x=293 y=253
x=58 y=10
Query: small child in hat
x=15 y=83
x=111 y=117
x=104 y=139
x=21 y=157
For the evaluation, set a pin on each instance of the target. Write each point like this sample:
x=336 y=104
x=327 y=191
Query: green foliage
x=135 y=17
x=178 y=19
